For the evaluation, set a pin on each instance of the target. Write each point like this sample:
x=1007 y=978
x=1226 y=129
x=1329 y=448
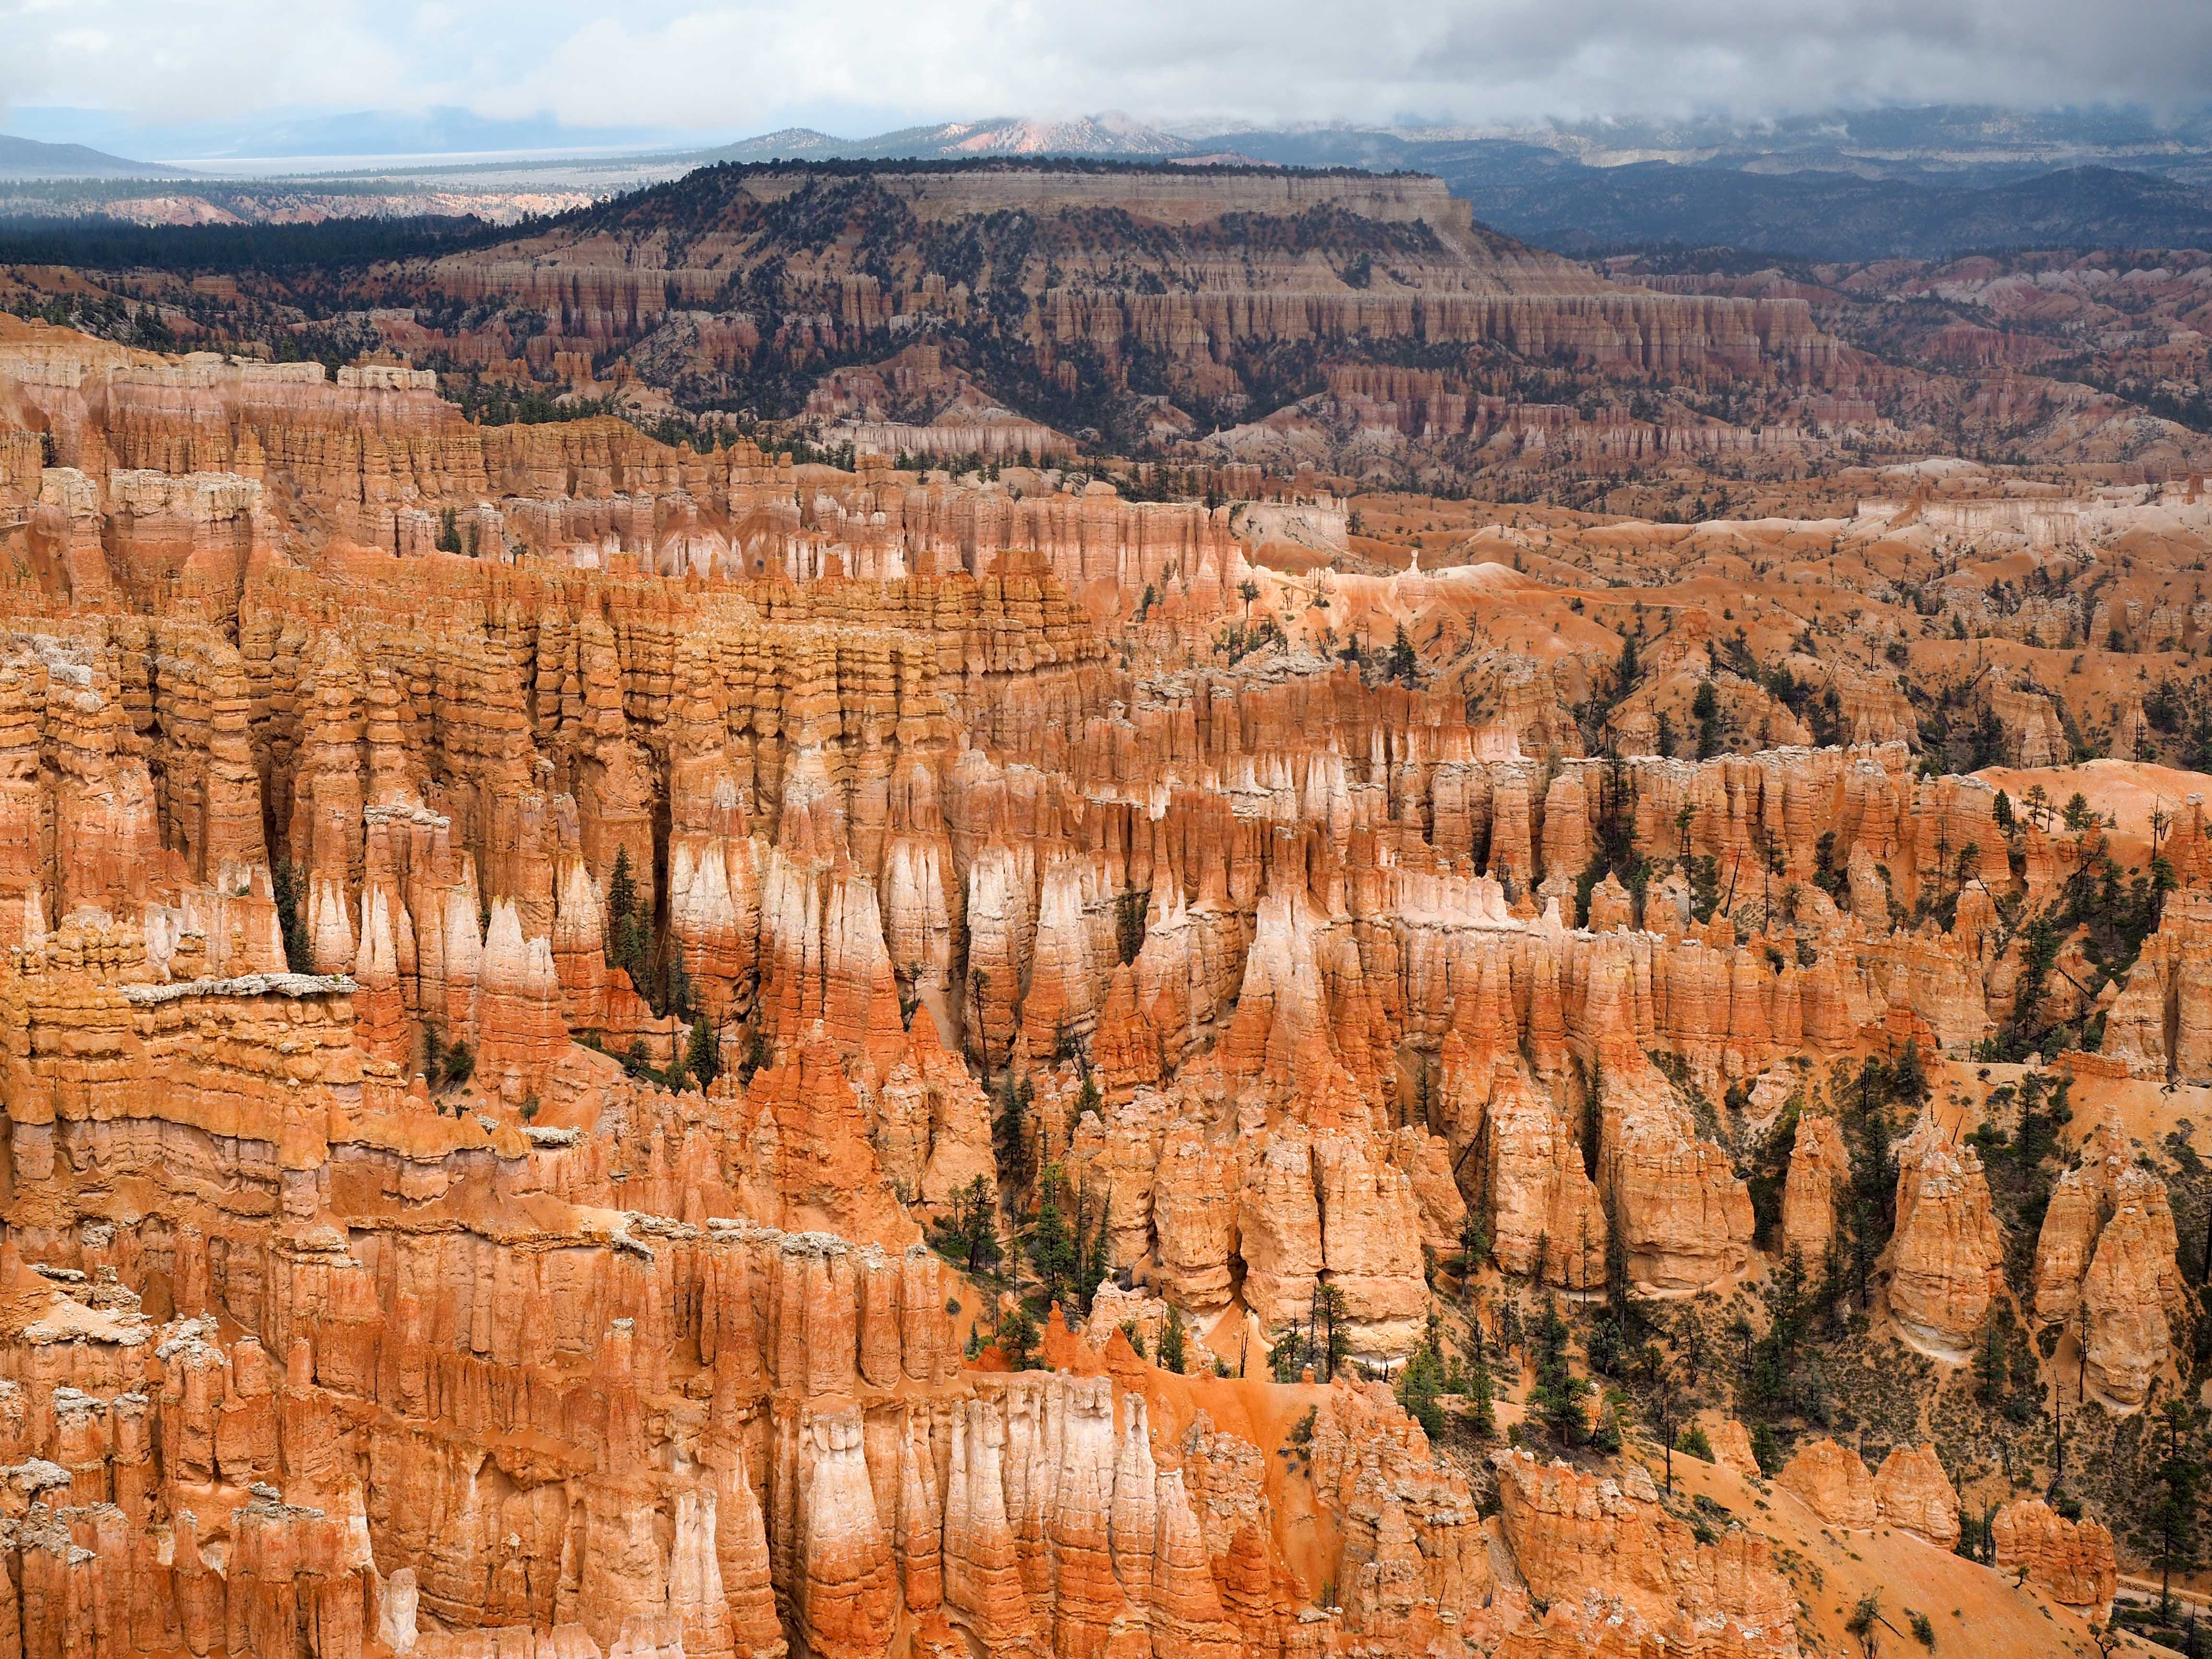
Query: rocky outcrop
x=1684 y=1215
x=2105 y=1267
x=1944 y=1257
x=1819 y=1165
x=2070 y=1560
x=1731 y=1445
x=1913 y=1493
x=2161 y=1023
x=1833 y=1482
x=1570 y=1532
x=2133 y=1297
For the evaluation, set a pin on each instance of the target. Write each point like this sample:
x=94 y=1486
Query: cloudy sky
x=854 y=66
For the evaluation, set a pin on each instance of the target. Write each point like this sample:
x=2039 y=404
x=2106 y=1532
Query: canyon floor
x=943 y=1041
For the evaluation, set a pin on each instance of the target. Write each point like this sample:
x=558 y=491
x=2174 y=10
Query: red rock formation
x=2162 y=1022
x=1731 y=1445
x=520 y=1031
x=1570 y=1531
x=1685 y=1216
x=932 y=1130
x=325 y=1357
x=2070 y=1560
x=2108 y=1243
x=1819 y=1165
x=1943 y=1258
x=1913 y=1493
x=1833 y=1482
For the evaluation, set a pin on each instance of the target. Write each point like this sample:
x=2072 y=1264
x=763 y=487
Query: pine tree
x=1473 y=1250
x=1556 y=1398
x=1480 y=1394
x=1990 y=1369
x=1171 y=1342
x=1010 y=1136
x=1909 y=1081
x=622 y=886
x=677 y=997
x=1420 y=1383
x=970 y=1235
x=291 y=920
x=1765 y=1448
x=1705 y=709
x=2171 y=1518
x=1404 y=666
x=629 y=935
x=985 y=1252
x=702 y=1056
x=1018 y=1339
x=1052 y=1241
x=1336 y=1342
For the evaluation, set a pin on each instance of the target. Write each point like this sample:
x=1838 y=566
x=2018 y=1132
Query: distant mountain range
x=1954 y=143
x=1111 y=134
x=1829 y=216
x=1957 y=144
x=27 y=158
x=310 y=138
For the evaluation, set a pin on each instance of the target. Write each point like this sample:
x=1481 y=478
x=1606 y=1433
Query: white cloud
x=747 y=66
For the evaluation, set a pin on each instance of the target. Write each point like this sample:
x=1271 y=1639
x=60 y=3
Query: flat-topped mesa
x=1227 y=288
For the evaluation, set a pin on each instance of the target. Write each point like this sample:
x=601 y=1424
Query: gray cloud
x=742 y=65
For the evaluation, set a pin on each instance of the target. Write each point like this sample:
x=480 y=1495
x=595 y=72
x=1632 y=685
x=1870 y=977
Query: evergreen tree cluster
x=1009 y=1133
x=1556 y=1397
x=663 y=980
x=288 y=883
x=1320 y=1343
x=629 y=929
x=969 y=1236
